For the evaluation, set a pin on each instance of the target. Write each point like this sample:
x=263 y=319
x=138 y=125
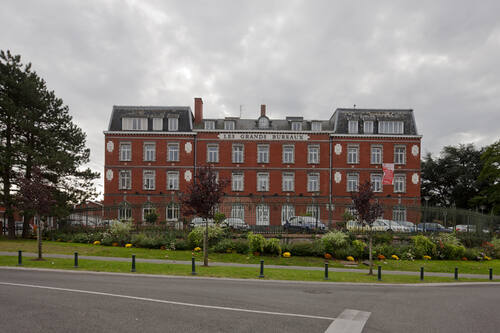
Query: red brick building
x=278 y=167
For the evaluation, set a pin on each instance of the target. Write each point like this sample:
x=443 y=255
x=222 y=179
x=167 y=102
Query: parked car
x=200 y=222
x=410 y=225
x=431 y=227
x=235 y=223
x=302 y=223
x=465 y=228
x=388 y=225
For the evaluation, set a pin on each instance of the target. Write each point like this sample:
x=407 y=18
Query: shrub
x=310 y=249
x=334 y=240
x=423 y=246
x=383 y=238
x=448 y=247
x=287 y=255
x=120 y=231
x=181 y=244
x=81 y=238
x=495 y=242
x=225 y=245
x=343 y=253
x=472 y=254
x=272 y=246
x=358 y=248
x=256 y=242
x=241 y=246
x=386 y=250
x=195 y=237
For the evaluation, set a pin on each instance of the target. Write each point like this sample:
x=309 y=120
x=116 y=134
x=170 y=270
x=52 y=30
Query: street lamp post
x=426 y=198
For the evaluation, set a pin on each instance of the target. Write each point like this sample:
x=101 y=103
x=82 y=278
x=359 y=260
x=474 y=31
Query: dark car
x=304 y=223
x=431 y=227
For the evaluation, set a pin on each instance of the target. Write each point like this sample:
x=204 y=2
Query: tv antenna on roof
x=241 y=109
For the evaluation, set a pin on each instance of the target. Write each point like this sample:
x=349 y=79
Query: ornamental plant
x=197 y=249
x=381 y=257
x=328 y=256
x=334 y=240
x=350 y=258
x=426 y=257
x=128 y=245
x=395 y=257
x=97 y=243
x=287 y=254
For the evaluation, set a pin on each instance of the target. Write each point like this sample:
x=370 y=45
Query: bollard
x=76 y=259
x=491 y=274
x=133 y=263
x=193 y=267
x=261 y=269
x=421 y=274
x=19 y=258
x=456 y=273
x=379 y=273
x=326 y=271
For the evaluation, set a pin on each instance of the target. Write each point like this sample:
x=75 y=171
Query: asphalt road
x=56 y=301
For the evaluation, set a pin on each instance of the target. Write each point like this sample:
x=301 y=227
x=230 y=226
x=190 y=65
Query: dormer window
x=173 y=124
x=296 y=126
x=263 y=122
x=229 y=125
x=157 y=124
x=316 y=126
x=134 y=124
x=368 y=127
x=209 y=124
x=391 y=127
x=353 y=126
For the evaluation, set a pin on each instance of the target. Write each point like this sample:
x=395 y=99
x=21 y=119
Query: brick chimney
x=198 y=110
x=263 y=110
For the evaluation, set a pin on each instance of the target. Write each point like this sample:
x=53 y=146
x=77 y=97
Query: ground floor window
x=173 y=211
x=238 y=211
x=399 y=214
x=262 y=215
x=124 y=213
x=287 y=211
x=313 y=210
x=147 y=212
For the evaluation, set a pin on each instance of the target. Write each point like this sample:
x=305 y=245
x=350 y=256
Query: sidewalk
x=182 y=262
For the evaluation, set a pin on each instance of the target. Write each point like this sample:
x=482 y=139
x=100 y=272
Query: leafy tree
x=368 y=211
x=490 y=175
x=202 y=198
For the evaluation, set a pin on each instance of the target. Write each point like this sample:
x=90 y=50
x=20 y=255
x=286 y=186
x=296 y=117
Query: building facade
x=277 y=168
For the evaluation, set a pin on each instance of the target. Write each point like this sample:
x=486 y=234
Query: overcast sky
x=304 y=58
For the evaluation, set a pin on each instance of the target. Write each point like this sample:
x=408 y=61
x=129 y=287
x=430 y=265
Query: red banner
x=388 y=173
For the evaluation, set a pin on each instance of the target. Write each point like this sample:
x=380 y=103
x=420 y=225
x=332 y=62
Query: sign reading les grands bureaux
x=264 y=136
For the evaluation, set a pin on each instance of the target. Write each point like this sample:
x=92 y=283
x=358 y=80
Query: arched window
x=124 y=211
x=263 y=122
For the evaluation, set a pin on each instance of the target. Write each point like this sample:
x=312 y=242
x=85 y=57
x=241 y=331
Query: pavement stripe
x=167 y=302
x=349 y=321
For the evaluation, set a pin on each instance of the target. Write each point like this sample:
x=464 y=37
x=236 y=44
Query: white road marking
x=167 y=302
x=349 y=321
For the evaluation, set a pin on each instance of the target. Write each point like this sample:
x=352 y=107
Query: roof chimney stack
x=198 y=110
x=263 y=110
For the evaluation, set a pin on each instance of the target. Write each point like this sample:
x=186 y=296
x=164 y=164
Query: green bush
x=472 y=254
x=181 y=244
x=495 y=242
x=309 y=249
x=382 y=238
x=224 y=246
x=272 y=246
x=256 y=242
x=152 y=241
x=195 y=237
x=358 y=249
x=386 y=250
x=241 y=246
x=423 y=246
x=334 y=240
x=448 y=247
x=120 y=231
x=80 y=238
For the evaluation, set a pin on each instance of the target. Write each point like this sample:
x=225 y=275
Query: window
x=125 y=151
x=229 y=125
x=399 y=154
x=352 y=182
x=399 y=213
x=391 y=127
x=172 y=180
x=313 y=154
x=288 y=152
x=262 y=153
x=296 y=126
x=262 y=214
x=313 y=182
x=173 y=124
x=237 y=181
x=147 y=210
x=376 y=180
x=313 y=210
x=134 y=124
x=399 y=183
x=263 y=122
x=149 y=151
x=287 y=211
x=288 y=181
x=368 y=127
x=353 y=126
x=173 y=211
x=238 y=153
x=262 y=182
x=351 y=211
x=125 y=181
x=316 y=126
x=209 y=124
x=376 y=155
x=352 y=154
x=238 y=211
x=124 y=212
x=148 y=179
x=212 y=153
x=157 y=124
x=173 y=152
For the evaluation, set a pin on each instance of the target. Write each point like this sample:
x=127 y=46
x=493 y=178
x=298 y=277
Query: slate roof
x=182 y=112
x=274 y=124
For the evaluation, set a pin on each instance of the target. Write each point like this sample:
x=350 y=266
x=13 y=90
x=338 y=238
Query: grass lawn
x=229 y=272
x=446 y=266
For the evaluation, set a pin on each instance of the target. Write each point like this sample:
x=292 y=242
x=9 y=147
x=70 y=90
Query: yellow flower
x=128 y=245
x=395 y=257
x=426 y=258
x=287 y=255
x=97 y=243
x=487 y=258
x=350 y=258
x=197 y=249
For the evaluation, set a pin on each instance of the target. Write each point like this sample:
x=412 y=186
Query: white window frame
x=399 y=213
x=212 y=155
x=296 y=126
x=172 y=212
x=399 y=183
x=368 y=127
x=288 y=154
x=134 y=124
x=125 y=179
x=209 y=124
x=400 y=156
x=376 y=154
x=149 y=151
x=147 y=208
x=352 y=181
x=376 y=180
x=313 y=154
x=262 y=214
x=237 y=181
x=287 y=211
x=125 y=154
x=316 y=126
x=313 y=182
x=172 y=180
x=353 y=127
x=288 y=181
x=262 y=181
x=391 y=127
x=238 y=211
x=314 y=211
x=262 y=153
x=173 y=124
x=173 y=152
x=148 y=180
x=157 y=124
x=263 y=122
x=124 y=212
x=238 y=153
x=352 y=154
x=229 y=125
